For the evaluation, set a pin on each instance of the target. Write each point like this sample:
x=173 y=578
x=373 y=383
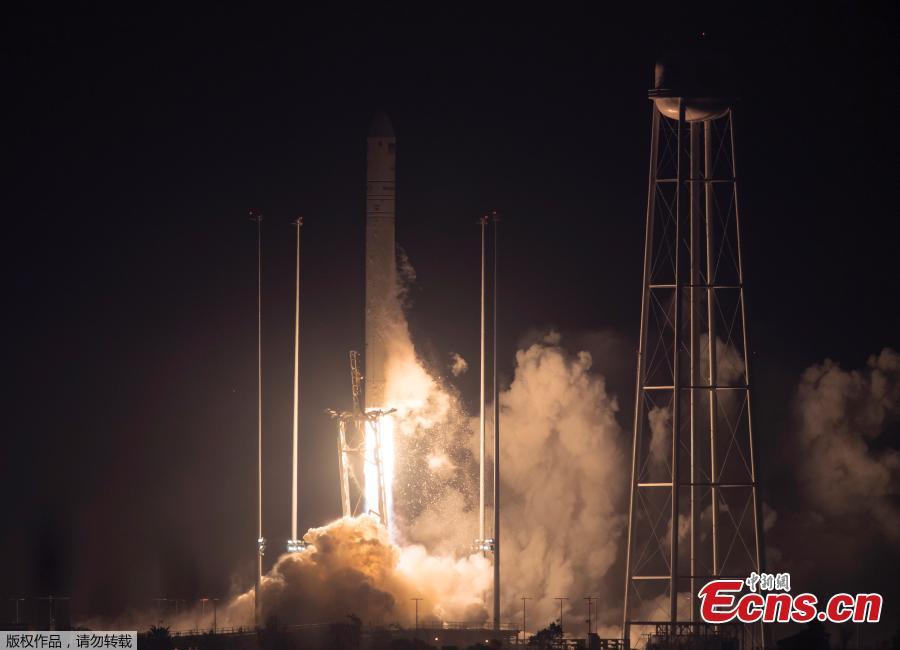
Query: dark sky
x=135 y=144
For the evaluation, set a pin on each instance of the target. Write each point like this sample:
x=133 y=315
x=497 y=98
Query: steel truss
x=693 y=459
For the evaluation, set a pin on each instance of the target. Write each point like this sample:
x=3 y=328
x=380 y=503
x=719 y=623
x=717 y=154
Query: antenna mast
x=496 y=218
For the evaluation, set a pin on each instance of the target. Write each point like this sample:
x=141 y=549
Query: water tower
x=693 y=460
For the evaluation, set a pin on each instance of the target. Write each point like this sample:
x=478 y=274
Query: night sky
x=134 y=146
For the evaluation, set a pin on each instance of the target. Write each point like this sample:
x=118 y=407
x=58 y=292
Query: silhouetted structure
x=349 y=635
x=693 y=461
x=812 y=637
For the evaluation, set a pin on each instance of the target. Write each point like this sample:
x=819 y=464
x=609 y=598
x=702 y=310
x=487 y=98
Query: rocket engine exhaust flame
x=366 y=462
x=379 y=464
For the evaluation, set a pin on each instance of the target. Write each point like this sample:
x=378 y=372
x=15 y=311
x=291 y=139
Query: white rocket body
x=381 y=267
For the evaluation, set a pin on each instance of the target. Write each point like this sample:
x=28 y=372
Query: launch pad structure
x=360 y=443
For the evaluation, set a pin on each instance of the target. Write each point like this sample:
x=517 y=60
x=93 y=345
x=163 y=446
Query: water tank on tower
x=698 y=76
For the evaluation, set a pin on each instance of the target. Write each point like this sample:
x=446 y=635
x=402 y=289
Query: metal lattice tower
x=693 y=451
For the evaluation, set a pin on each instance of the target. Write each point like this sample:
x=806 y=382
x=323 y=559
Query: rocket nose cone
x=381 y=126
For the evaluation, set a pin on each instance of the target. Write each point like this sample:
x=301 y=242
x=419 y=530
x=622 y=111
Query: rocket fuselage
x=381 y=267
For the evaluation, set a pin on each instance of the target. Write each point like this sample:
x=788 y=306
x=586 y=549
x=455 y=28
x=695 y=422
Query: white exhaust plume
x=562 y=479
x=845 y=468
x=351 y=566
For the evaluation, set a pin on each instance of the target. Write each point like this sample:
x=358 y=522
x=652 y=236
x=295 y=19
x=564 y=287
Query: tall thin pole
x=160 y=608
x=256 y=216
x=299 y=224
x=417 y=616
x=524 y=634
x=712 y=342
x=481 y=419
x=18 y=600
x=561 y=599
x=496 y=392
x=589 y=599
x=51 y=610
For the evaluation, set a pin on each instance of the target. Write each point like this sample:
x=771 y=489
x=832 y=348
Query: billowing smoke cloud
x=458 y=365
x=562 y=477
x=660 y=419
x=846 y=469
x=561 y=467
x=562 y=491
x=352 y=567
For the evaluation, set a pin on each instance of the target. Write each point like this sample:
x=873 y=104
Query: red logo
x=724 y=601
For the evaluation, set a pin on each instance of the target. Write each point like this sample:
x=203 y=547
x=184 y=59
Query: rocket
x=382 y=302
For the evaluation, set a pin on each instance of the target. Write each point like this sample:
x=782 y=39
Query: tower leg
x=639 y=376
x=677 y=387
x=759 y=545
x=694 y=294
